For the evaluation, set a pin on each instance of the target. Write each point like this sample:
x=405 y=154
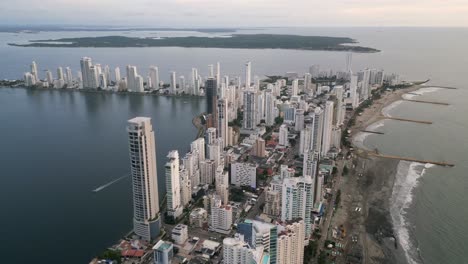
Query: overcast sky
x=236 y=13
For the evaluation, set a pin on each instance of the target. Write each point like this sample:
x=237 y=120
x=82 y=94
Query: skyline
x=242 y=13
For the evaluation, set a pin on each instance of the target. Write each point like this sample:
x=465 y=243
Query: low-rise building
x=198 y=217
x=180 y=234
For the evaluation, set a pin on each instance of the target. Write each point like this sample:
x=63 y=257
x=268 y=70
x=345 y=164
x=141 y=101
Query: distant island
x=237 y=41
x=37 y=29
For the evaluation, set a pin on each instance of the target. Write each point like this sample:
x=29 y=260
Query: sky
x=236 y=13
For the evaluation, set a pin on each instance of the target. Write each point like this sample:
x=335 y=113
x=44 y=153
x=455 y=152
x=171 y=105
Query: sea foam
x=406 y=180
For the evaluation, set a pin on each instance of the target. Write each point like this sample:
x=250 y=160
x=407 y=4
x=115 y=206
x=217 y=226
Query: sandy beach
x=366 y=191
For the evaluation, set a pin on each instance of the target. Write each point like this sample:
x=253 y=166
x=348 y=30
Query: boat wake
x=102 y=187
x=406 y=180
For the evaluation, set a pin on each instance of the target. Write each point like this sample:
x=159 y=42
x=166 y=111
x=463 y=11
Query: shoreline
x=370 y=186
x=77 y=90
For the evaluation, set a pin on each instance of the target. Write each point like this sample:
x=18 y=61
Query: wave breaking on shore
x=406 y=180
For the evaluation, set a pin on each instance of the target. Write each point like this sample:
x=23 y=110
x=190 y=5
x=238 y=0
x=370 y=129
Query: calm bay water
x=57 y=146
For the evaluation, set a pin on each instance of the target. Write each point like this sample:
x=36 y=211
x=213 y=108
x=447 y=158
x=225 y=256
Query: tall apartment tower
x=327 y=127
x=250 y=113
x=174 y=207
x=248 y=74
x=222 y=110
x=146 y=218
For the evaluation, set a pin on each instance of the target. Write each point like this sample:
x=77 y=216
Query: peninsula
x=236 y=41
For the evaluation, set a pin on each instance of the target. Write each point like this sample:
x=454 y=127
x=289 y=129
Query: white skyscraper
x=69 y=76
x=210 y=136
x=308 y=83
x=221 y=216
x=318 y=130
x=297 y=201
x=237 y=251
x=154 y=76
x=49 y=77
x=327 y=128
x=34 y=71
x=139 y=84
x=117 y=74
x=174 y=207
x=146 y=219
x=306 y=139
x=182 y=84
x=211 y=71
x=270 y=113
x=132 y=78
x=218 y=74
x=86 y=64
x=283 y=136
x=295 y=87
x=173 y=89
x=102 y=81
x=248 y=74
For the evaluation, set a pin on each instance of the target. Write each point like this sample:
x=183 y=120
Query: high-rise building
x=327 y=128
x=218 y=74
x=174 y=207
x=102 y=81
x=248 y=74
x=185 y=187
x=146 y=219
x=222 y=184
x=299 y=120
x=173 y=89
x=222 y=123
x=221 y=216
x=132 y=78
x=69 y=76
x=198 y=148
x=117 y=74
x=207 y=171
x=211 y=71
x=270 y=113
x=339 y=111
x=211 y=91
x=163 y=252
x=283 y=136
x=295 y=87
x=210 y=136
x=237 y=251
x=49 y=77
x=318 y=130
x=86 y=64
x=290 y=242
x=353 y=90
x=250 y=114
x=34 y=71
x=29 y=79
x=244 y=174
x=306 y=140
x=298 y=200
x=310 y=164
x=308 y=83
x=154 y=76
x=272 y=203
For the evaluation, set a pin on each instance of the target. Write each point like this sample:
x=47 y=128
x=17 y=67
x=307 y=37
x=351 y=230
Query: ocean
x=57 y=146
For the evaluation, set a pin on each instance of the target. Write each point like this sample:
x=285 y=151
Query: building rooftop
x=162 y=245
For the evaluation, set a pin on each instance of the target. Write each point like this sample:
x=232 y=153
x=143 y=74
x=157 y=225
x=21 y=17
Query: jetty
x=373 y=132
x=426 y=102
x=408 y=120
x=443 y=87
x=439 y=163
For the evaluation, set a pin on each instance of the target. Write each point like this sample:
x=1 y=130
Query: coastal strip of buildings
x=254 y=189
